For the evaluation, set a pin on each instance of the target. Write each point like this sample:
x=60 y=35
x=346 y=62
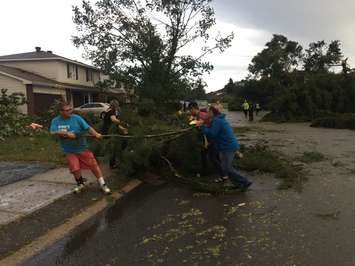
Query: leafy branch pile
x=261 y=158
x=177 y=156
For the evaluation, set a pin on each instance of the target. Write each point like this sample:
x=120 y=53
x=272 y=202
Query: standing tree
x=320 y=56
x=199 y=92
x=230 y=87
x=279 y=57
x=145 y=42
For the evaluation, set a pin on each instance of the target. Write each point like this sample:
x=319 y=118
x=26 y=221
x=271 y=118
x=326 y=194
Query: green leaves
x=279 y=57
x=320 y=56
x=143 y=43
x=11 y=120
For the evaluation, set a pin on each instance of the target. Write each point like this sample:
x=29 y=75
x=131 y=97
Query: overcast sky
x=48 y=23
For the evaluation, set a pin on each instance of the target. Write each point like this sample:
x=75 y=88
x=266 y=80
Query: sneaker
x=221 y=179
x=246 y=186
x=79 y=188
x=106 y=189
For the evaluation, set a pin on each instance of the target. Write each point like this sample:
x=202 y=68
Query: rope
x=166 y=134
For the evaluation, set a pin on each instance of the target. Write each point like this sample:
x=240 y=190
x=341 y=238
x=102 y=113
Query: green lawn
x=39 y=148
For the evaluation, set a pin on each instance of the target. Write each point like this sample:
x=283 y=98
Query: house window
x=72 y=71
x=76 y=72
x=86 y=98
x=88 y=74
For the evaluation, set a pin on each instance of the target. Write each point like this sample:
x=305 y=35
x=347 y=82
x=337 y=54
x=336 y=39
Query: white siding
x=48 y=69
x=57 y=70
x=45 y=90
x=13 y=86
x=63 y=75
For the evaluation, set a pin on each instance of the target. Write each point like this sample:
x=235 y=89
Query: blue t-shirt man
x=75 y=124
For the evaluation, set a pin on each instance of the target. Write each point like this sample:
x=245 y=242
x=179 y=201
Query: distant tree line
x=297 y=83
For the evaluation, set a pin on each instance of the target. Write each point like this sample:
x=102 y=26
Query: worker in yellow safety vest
x=245 y=107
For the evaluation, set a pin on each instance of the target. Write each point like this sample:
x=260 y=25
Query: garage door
x=42 y=102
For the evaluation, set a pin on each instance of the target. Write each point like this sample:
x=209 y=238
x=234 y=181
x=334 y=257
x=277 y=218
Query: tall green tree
x=144 y=43
x=279 y=57
x=320 y=56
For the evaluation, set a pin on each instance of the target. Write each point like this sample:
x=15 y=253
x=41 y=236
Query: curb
x=55 y=234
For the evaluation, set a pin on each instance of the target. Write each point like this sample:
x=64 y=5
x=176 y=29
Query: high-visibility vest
x=245 y=106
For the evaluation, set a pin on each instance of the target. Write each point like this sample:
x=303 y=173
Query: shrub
x=339 y=121
x=234 y=105
x=13 y=123
x=146 y=107
x=311 y=157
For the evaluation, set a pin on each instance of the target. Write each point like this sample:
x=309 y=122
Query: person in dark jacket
x=109 y=118
x=226 y=144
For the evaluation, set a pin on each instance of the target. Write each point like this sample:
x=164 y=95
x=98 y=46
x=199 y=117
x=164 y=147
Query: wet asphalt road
x=165 y=225
x=171 y=225
x=11 y=172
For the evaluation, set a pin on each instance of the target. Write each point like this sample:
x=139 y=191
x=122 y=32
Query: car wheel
x=102 y=115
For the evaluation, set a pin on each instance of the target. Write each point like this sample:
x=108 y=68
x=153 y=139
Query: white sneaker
x=79 y=188
x=106 y=189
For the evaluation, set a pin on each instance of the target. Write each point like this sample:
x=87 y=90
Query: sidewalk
x=24 y=197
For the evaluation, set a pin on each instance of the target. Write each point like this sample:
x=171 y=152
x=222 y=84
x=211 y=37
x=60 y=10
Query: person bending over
x=226 y=144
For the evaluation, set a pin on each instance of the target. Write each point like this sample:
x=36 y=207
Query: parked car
x=95 y=107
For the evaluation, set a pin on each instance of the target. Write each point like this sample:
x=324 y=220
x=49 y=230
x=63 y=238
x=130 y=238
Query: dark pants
x=229 y=170
x=251 y=115
x=113 y=158
x=212 y=155
x=245 y=113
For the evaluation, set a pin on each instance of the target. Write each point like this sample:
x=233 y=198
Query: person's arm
x=117 y=121
x=53 y=131
x=63 y=134
x=123 y=129
x=94 y=133
x=86 y=128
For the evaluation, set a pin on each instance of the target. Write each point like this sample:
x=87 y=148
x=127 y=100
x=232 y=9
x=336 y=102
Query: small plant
x=339 y=121
x=311 y=157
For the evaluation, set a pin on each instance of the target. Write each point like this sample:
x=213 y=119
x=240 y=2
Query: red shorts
x=82 y=160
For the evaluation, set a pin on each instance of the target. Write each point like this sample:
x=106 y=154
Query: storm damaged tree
x=145 y=43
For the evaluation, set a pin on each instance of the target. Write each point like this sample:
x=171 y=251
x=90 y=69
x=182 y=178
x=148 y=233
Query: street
x=171 y=225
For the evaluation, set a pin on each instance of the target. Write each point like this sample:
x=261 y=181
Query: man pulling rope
x=70 y=128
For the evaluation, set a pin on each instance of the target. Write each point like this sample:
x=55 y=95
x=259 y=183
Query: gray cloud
x=302 y=20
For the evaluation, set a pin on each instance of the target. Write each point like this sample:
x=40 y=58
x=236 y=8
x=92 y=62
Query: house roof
x=40 y=55
x=31 y=78
x=26 y=76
